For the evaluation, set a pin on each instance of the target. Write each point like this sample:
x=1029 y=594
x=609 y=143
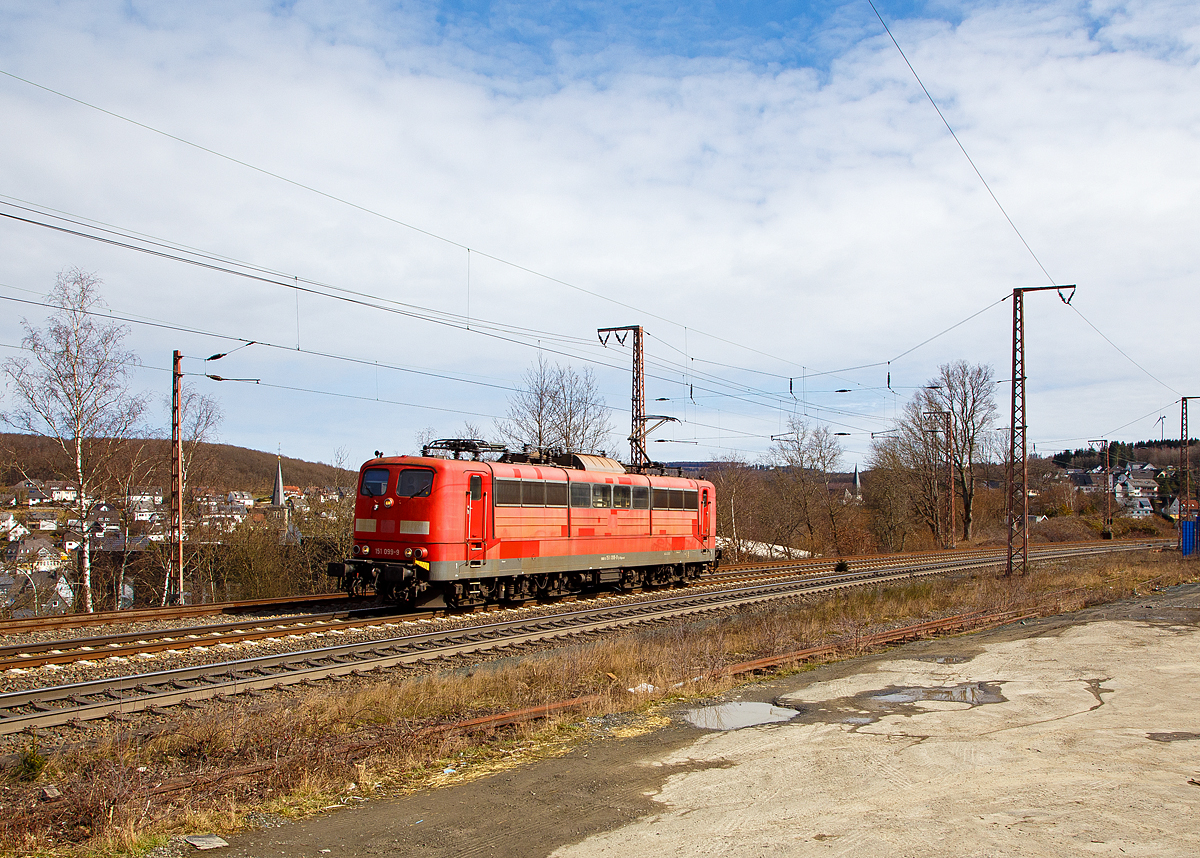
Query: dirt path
x=1074 y=735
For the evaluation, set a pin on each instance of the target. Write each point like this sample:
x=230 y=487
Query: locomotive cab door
x=477 y=507
x=703 y=516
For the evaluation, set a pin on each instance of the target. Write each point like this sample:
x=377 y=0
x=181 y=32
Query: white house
x=60 y=492
x=10 y=527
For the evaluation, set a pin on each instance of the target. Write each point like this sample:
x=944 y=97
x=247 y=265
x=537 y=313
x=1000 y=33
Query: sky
x=402 y=204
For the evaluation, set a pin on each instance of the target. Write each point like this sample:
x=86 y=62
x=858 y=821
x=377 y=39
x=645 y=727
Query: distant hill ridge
x=221 y=466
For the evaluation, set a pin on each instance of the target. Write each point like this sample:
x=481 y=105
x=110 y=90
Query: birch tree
x=75 y=390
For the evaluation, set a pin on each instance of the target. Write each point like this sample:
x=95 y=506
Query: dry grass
x=299 y=753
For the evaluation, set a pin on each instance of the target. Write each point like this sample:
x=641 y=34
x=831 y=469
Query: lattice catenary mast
x=177 y=474
x=1017 y=504
x=640 y=424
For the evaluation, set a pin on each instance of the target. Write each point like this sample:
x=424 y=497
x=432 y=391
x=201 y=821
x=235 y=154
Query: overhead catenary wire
x=429 y=233
x=961 y=147
x=259 y=274
x=468 y=249
x=163 y=248
x=1000 y=206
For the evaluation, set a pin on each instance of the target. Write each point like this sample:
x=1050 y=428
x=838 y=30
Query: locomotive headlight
x=366 y=549
x=357 y=549
x=408 y=552
x=420 y=553
x=388 y=502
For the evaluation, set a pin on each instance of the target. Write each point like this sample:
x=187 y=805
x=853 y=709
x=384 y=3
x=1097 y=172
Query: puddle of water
x=867 y=707
x=944 y=659
x=1172 y=737
x=975 y=694
x=733 y=716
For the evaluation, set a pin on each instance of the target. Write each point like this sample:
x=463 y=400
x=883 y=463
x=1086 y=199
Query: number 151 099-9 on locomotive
x=468 y=532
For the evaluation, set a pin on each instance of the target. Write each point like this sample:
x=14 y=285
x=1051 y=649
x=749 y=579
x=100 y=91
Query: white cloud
x=822 y=216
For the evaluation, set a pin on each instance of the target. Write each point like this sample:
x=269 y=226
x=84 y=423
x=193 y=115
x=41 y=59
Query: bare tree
x=557 y=407
x=969 y=394
x=805 y=460
x=424 y=436
x=75 y=391
x=737 y=490
x=913 y=458
x=915 y=453
x=199 y=417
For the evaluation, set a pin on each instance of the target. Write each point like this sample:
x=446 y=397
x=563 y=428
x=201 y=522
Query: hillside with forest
x=219 y=466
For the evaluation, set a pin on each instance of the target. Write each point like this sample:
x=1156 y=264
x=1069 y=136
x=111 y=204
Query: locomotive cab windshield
x=374 y=482
x=414 y=483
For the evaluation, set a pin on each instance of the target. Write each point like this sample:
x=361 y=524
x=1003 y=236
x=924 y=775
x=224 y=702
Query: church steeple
x=277 y=498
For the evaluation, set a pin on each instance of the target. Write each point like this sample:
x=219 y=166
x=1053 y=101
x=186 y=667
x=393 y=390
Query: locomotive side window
x=374 y=482
x=508 y=492
x=556 y=494
x=621 y=497
x=661 y=498
x=414 y=483
x=690 y=499
x=676 y=498
x=601 y=496
x=581 y=494
x=641 y=497
x=533 y=493
x=476 y=487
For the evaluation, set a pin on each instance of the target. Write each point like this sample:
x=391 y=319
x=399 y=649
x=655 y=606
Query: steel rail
x=68 y=650
x=142 y=615
x=228 y=678
x=873 y=559
x=71 y=650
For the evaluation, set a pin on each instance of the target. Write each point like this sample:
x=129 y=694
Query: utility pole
x=639 y=424
x=1108 y=489
x=177 y=474
x=948 y=428
x=1018 y=474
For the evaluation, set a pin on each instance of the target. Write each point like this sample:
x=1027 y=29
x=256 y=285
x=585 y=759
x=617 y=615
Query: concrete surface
x=1070 y=736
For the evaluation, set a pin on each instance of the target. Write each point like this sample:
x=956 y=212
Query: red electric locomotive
x=527 y=526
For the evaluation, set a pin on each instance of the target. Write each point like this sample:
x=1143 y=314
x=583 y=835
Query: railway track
x=144 y=615
x=65 y=704
x=68 y=650
x=125 y=645
x=22 y=656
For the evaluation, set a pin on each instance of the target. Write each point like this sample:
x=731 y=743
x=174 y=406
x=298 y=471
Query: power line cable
x=361 y=299
x=1122 y=351
x=405 y=224
x=996 y=200
x=962 y=148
